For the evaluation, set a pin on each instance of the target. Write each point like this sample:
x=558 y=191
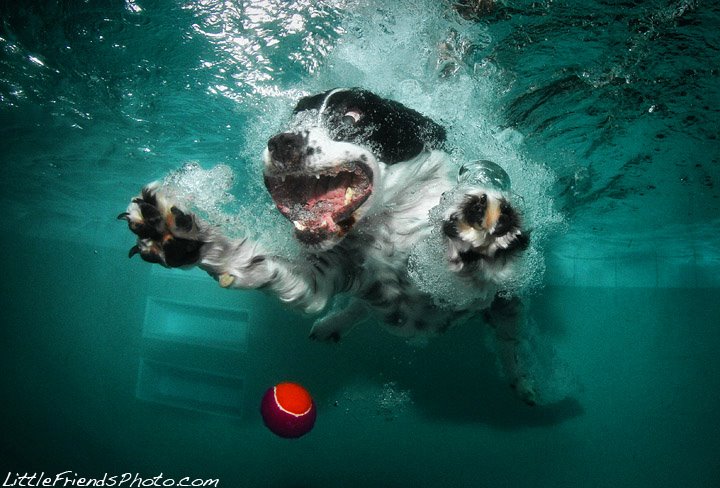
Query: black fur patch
x=151 y=258
x=313 y=102
x=181 y=252
x=149 y=197
x=152 y=225
x=507 y=221
x=473 y=208
x=395 y=132
x=470 y=256
x=520 y=243
x=450 y=227
x=183 y=221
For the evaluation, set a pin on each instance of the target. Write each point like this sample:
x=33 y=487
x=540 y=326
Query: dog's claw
x=165 y=234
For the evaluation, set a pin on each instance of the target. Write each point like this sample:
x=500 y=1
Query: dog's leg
x=336 y=324
x=508 y=317
x=172 y=237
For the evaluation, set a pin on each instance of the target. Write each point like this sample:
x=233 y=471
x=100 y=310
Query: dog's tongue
x=319 y=209
x=331 y=199
x=320 y=205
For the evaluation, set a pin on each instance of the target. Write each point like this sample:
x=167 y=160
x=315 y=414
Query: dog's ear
x=397 y=133
x=406 y=132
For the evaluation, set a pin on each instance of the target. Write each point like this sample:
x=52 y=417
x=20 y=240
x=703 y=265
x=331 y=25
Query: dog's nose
x=286 y=147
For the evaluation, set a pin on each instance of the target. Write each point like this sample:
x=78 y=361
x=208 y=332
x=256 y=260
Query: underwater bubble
x=393 y=401
x=484 y=173
x=206 y=191
x=211 y=194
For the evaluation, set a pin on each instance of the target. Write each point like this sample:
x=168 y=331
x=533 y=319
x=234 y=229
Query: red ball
x=288 y=410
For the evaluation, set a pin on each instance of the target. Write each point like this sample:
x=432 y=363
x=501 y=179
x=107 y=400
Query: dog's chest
x=384 y=248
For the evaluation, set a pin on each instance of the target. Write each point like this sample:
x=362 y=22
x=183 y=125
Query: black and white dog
x=359 y=178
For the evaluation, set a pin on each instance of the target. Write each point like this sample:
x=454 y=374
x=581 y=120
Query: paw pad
x=164 y=231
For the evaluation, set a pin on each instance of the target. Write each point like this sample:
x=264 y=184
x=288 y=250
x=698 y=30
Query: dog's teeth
x=226 y=280
x=349 y=193
x=317 y=176
x=298 y=225
x=327 y=222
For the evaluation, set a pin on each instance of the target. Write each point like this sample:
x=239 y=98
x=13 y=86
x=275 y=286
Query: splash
x=210 y=193
x=416 y=53
x=421 y=55
x=393 y=401
x=207 y=191
x=364 y=401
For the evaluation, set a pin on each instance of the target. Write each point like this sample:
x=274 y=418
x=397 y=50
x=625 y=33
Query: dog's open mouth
x=322 y=204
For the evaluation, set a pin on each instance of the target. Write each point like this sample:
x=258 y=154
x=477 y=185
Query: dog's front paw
x=165 y=234
x=483 y=226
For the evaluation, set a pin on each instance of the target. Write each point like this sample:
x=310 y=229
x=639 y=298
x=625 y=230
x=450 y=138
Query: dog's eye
x=351 y=117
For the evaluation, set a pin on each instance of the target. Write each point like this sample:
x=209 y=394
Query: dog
x=363 y=181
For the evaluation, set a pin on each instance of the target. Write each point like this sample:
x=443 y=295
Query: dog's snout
x=285 y=141
x=286 y=147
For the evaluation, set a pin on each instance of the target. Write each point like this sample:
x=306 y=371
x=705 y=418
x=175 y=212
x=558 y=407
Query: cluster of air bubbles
x=262 y=45
x=206 y=192
x=428 y=261
x=433 y=62
x=388 y=401
x=393 y=401
x=209 y=193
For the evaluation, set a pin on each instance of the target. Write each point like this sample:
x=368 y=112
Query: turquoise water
x=605 y=115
